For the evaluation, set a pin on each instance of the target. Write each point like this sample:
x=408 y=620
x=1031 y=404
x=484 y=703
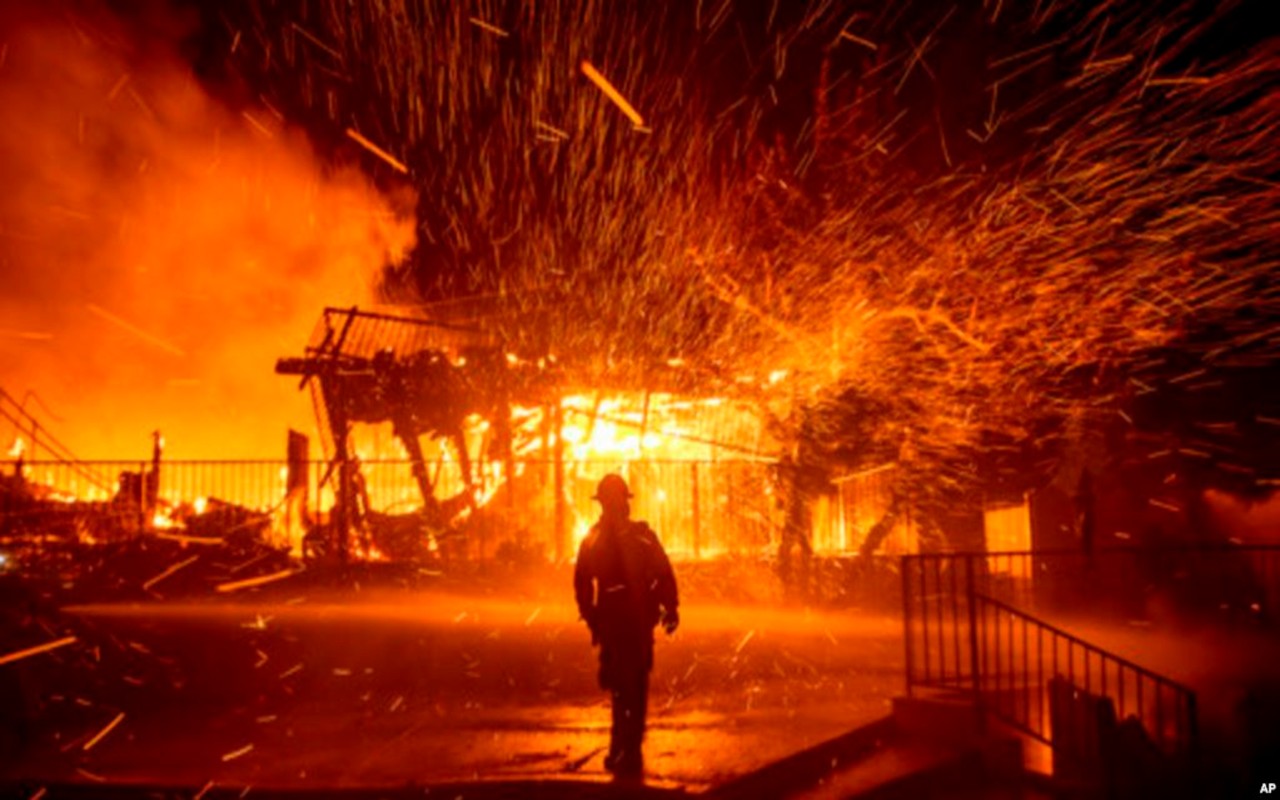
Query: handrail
x=17 y=414
x=1165 y=709
x=1053 y=552
x=958 y=636
x=1078 y=642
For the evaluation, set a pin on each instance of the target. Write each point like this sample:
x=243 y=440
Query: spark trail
x=968 y=221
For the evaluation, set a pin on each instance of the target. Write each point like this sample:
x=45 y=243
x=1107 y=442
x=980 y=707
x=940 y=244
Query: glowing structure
x=470 y=418
x=422 y=377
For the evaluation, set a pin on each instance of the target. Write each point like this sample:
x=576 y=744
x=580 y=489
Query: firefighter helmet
x=612 y=487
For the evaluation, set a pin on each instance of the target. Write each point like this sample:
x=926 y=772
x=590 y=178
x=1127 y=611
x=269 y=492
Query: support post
x=508 y=457
x=344 y=505
x=144 y=521
x=297 y=450
x=644 y=424
x=697 y=513
x=972 y=600
x=562 y=539
x=906 y=622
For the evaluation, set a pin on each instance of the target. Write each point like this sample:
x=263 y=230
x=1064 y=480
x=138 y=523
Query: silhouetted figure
x=624 y=586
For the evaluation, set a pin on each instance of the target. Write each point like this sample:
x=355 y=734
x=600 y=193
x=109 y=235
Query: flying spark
x=38 y=649
x=612 y=93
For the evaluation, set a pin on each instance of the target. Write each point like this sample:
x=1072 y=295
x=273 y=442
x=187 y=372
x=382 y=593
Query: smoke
x=1252 y=522
x=159 y=250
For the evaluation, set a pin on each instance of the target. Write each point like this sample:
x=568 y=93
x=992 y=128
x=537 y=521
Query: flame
x=178 y=245
x=600 y=434
x=369 y=552
x=580 y=530
x=495 y=481
x=606 y=440
x=18 y=448
x=288 y=524
x=627 y=427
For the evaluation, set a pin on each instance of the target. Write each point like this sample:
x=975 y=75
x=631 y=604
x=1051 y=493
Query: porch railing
x=964 y=633
x=1020 y=657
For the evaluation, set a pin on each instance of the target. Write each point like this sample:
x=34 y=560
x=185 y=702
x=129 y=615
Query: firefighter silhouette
x=624 y=587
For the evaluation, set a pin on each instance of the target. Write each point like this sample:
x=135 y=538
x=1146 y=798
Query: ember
x=908 y=330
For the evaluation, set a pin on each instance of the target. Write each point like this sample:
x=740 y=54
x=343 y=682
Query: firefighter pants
x=624 y=671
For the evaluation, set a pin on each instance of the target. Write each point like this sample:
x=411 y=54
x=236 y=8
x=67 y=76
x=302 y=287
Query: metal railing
x=1184 y=582
x=965 y=631
x=1019 y=657
x=939 y=620
x=1226 y=582
x=700 y=509
x=32 y=437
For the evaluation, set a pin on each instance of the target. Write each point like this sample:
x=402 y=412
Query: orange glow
x=170 y=247
x=580 y=530
x=369 y=552
x=667 y=427
x=662 y=437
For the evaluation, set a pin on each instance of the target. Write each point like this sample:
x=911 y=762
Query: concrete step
x=805 y=769
x=913 y=769
x=941 y=717
x=931 y=747
x=895 y=768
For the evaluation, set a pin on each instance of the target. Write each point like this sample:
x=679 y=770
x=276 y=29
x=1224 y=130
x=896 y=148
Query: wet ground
x=399 y=687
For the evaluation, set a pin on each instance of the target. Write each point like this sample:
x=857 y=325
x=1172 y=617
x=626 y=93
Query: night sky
x=984 y=220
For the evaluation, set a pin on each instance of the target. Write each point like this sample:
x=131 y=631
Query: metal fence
x=965 y=629
x=699 y=509
x=257 y=484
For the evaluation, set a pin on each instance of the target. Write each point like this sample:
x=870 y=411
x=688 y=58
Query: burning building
x=440 y=432
x=440 y=421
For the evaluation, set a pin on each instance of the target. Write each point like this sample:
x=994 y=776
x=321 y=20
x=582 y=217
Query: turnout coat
x=624 y=584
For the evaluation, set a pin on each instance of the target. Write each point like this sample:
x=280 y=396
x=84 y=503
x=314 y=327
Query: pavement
x=397 y=690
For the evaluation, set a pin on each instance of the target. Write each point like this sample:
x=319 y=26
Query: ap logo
x=1268 y=788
